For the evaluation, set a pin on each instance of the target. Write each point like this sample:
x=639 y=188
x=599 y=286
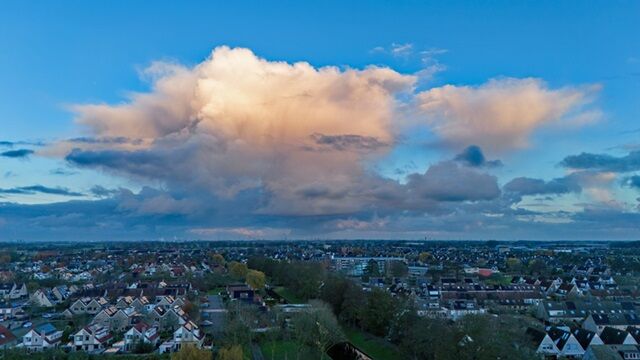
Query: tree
x=538 y=267
x=233 y=352
x=238 y=270
x=333 y=291
x=424 y=257
x=142 y=347
x=404 y=319
x=5 y=258
x=318 y=328
x=379 y=312
x=514 y=265
x=240 y=319
x=372 y=268
x=492 y=338
x=191 y=353
x=353 y=304
x=429 y=339
x=217 y=259
x=398 y=269
x=256 y=279
x=192 y=309
x=273 y=335
x=304 y=279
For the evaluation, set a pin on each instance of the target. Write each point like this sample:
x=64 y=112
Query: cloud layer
x=603 y=162
x=241 y=146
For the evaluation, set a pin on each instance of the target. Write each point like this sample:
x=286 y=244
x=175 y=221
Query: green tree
x=353 y=304
x=514 y=265
x=378 y=312
x=333 y=291
x=238 y=270
x=538 y=267
x=233 y=352
x=425 y=257
x=318 y=328
x=429 y=339
x=188 y=352
x=372 y=268
x=398 y=268
x=217 y=259
x=256 y=279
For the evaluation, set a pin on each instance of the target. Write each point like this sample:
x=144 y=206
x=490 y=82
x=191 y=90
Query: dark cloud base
x=20 y=153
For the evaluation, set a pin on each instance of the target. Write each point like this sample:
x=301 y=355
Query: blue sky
x=56 y=55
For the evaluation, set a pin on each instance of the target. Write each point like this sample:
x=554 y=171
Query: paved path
x=257 y=352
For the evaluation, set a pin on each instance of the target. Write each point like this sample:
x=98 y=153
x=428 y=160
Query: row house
x=141 y=333
x=575 y=311
x=86 y=305
x=613 y=336
x=115 y=319
x=560 y=341
x=612 y=352
x=10 y=311
x=92 y=338
x=517 y=296
x=567 y=290
x=43 y=298
x=13 y=291
x=63 y=292
x=42 y=337
x=140 y=304
x=168 y=318
x=456 y=309
x=187 y=334
x=169 y=301
x=620 y=321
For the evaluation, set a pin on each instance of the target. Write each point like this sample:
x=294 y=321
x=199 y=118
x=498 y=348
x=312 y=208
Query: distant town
x=320 y=300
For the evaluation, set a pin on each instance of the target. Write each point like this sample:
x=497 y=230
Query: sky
x=210 y=120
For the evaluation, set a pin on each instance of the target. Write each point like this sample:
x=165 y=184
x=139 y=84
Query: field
x=286 y=350
x=377 y=348
x=288 y=295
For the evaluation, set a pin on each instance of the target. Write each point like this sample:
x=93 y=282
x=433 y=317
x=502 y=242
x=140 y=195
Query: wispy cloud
x=399 y=50
x=20 y=153
x=62 y=172
x=40 y=189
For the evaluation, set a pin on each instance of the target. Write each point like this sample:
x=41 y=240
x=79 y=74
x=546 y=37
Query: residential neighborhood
x=560 y=300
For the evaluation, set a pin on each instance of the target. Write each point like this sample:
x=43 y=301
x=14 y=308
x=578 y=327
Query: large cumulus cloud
x=237 y=122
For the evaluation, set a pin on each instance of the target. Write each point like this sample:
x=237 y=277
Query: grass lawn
x=498 y=279
x=247 y=354
x=288 y=295
x=216 y=290
x=285 y=349
x=281 y=350
x=377 y=348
